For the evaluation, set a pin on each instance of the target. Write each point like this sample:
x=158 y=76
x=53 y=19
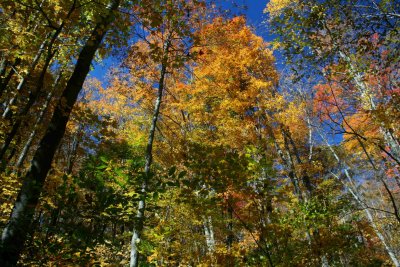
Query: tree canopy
x=206 y=143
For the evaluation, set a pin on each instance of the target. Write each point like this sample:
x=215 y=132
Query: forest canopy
x=182 y=133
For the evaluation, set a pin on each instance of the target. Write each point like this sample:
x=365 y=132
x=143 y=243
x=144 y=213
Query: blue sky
x=255 y=16
x=253 y=13
x=254 y=9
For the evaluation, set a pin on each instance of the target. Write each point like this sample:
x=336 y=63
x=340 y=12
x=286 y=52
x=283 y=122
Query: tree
x=323 y=36
x=197 y=148
x=15 y=233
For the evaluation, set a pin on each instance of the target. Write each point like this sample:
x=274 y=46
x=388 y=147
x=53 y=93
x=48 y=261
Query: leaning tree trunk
x=33 y=94
x=21 y=85
x=7 y=78
x=137 y=230
x=38 y=121
x=388 y=134
x=17 y=124
x=357 y=196
x=19 y=224
x=30 y=29
x=3 y=68
x=289 y=164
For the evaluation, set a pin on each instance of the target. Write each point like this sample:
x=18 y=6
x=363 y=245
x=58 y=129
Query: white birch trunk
x=357 y=196
x=369 y=103
x=209 y=234
x=138 y=228
x=21 y=84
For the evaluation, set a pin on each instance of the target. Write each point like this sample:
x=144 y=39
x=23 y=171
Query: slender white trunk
x=324 y=261
x=209 y=234
x=310 y=139
x=137 y=230
x=357 y=196
x=21 y=84
x=369 y=103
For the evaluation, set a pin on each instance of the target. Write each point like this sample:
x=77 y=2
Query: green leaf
x=103 y=159
x=156 y=196
x=182 y=174
x=171 y=171
x=101 y=167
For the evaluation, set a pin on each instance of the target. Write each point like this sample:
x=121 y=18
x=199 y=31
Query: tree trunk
x=357 y=196
x=390 y=140
x=3 y=66
x=7 y=78
x=17 y=124
x=287 y=164
x=19 y=224
x=304 y=177
x=33 y=95
x=74 y=150
x=7 y=111
x=39 y=120
x=231 y=236
x=137 y=230
x=209 y=234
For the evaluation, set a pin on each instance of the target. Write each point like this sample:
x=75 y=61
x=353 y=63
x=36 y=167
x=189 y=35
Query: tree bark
x=7 y=111
x=17 y=124
x=369 y=102
x=19 y=224
x=138 y=228
x=74 y=150
x=357 y=196
x=209 y=234
x=304 y=177
x=7 y=78
x=3 y=66
x=230 y=238
x=38 y=121
x=33 y=95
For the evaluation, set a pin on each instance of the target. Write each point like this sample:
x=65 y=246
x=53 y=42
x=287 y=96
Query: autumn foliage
x=202 y=144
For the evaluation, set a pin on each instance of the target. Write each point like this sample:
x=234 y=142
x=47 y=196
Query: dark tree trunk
x=19 y=224
x=32 y=98
x=231 y=236
x=304 y=177
x=7 y=78
x=33 y=95
x=74 y=150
